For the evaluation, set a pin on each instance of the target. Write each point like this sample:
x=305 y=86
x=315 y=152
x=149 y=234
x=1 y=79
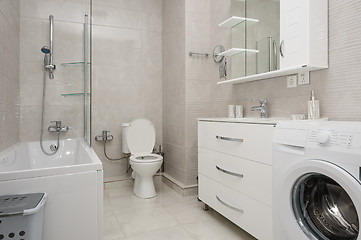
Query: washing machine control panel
x=329 y=137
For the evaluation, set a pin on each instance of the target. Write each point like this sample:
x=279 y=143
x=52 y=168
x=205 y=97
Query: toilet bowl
x=139 y=140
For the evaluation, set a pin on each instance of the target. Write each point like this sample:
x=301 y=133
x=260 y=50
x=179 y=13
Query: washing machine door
x=324 y=199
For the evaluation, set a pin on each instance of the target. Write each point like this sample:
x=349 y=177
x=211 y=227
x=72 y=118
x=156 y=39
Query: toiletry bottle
x=313 y=107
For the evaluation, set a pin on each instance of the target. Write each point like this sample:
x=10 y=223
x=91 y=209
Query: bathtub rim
x=94 y=165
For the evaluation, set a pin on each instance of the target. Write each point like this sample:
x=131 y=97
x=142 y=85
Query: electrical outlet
x=304 y=78
x=292 y=81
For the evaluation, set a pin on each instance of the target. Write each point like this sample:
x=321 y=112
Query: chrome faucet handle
x=262 y=102
x=57 y=123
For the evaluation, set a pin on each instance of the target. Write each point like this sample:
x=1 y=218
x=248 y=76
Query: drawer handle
x=229 y=205
x=229 y=139
x=229 y=172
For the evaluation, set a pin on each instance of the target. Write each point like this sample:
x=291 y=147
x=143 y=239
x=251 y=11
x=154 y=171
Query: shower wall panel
x=68 y=48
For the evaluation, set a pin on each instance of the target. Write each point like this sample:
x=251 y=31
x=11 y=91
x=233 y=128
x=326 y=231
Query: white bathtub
x=72 y=178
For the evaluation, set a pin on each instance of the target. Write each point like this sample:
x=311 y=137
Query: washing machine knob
x=323 y=137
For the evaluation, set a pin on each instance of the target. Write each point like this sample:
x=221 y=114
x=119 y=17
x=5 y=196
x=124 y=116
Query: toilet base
x=144 y=187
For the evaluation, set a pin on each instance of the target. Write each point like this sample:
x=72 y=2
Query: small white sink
x=272 y=120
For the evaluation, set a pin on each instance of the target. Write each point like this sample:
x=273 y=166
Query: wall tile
x=127 y=71
x=117 y=17
x=152 y=21
x=62 y=10
x=9 y=73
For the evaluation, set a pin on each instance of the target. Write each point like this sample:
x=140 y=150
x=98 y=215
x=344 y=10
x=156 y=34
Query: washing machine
x=317 y=181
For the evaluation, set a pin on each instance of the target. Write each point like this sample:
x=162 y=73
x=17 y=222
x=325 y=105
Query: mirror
x=259 y=31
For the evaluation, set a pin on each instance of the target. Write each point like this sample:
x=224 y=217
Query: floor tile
x=112 y=230
x=171 y=233
x=217 y=228
x=145 y=220
x=168 y=216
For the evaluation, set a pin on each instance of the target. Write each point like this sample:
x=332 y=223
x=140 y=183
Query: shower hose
x=42 y=122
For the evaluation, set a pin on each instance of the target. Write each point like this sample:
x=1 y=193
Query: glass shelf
x=233 y=51
x=74 y=64
x=74 y=94
x=233 y=21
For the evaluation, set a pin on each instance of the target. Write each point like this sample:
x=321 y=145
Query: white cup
x=239 y=111
x=230 y=111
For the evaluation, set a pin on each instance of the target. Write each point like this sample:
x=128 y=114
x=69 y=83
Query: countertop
x=269 y=121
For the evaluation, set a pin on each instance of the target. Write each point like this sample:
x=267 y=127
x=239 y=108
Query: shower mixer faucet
x=57 y=127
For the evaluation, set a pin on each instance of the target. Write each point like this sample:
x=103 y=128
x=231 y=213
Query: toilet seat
x=140 y=136
x=146 y=158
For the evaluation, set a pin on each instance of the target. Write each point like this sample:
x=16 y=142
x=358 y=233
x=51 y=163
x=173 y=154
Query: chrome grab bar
x=229 y=172
x=229 y=139
x=199 y=54
x=229 y=205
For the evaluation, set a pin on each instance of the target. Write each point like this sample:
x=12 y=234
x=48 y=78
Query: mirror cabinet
x=272 y=38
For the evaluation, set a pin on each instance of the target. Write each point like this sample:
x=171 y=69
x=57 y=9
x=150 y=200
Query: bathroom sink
x=272 y=120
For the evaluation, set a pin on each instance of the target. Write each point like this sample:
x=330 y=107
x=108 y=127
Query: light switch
x=292 y=81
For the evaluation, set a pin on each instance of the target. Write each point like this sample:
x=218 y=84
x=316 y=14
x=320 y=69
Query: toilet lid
x=141 y=136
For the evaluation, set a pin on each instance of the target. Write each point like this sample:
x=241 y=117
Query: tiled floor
x=168 y=216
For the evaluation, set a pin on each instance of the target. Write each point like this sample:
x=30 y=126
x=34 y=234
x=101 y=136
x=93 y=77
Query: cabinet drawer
x=251 y=141
x=249 y=214
x=248 y=177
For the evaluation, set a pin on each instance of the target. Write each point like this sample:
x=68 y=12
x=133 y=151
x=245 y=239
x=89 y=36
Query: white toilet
x=138 y=138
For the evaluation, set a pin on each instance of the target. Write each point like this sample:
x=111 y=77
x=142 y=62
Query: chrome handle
x=229 y=205
x=262 y=102
x=281 y=48
x=229 y=139
x=229 y=172
x=57 y=123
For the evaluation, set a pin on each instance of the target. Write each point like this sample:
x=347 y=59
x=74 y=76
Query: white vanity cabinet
x=304 y=34
x=235 y=173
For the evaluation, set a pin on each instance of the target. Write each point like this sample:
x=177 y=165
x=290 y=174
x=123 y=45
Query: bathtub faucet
x=57 y=127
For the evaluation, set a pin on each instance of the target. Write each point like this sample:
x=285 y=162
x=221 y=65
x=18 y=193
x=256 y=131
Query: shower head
x=45 y=50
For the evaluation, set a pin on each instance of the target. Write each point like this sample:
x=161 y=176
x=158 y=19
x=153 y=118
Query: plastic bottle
x=313 y=107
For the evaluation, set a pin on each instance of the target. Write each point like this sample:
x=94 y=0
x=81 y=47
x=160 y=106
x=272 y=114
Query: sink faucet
x=57 y=127
x=262 y=108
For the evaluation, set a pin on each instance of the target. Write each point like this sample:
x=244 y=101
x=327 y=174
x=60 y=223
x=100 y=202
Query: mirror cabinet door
x=262 y=35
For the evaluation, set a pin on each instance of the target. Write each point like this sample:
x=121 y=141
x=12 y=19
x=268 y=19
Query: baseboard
x=184 y=190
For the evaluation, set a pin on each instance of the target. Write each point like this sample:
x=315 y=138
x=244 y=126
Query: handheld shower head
x=45 y=50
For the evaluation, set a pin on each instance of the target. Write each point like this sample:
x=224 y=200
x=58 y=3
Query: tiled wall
x=68 y=47
x=188 y=86
x=9 y=72
x=127 y=72
x=174 y=88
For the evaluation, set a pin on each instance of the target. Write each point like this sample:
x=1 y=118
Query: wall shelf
x=74 y=64
x=273 y=74
x=233 y=51
x=233 y=21
x=74 y=94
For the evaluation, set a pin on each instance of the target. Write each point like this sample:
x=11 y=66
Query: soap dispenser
x=313 y=107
